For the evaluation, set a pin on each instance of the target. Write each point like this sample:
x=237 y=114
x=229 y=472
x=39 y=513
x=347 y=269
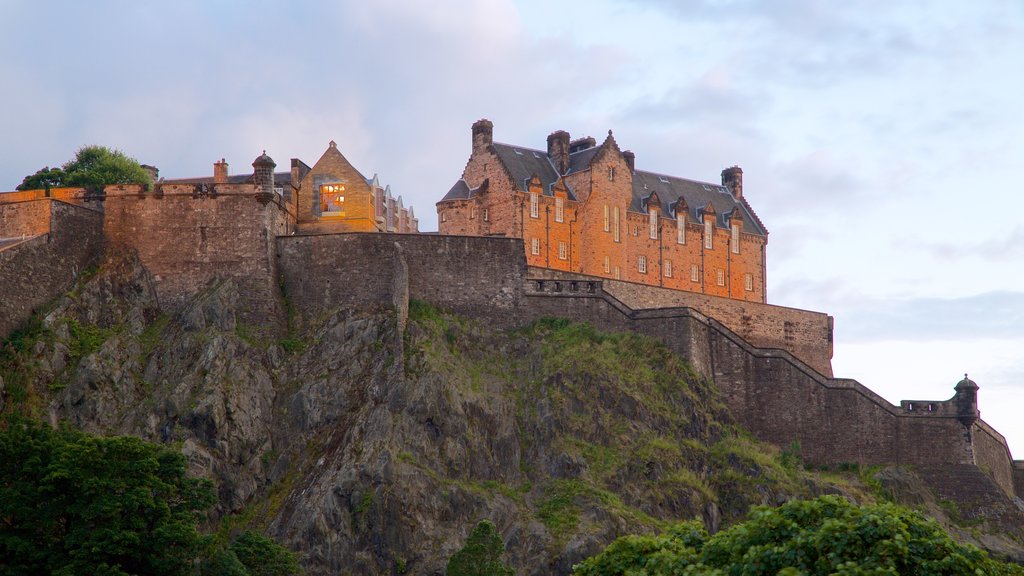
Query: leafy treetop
x=826 y=536
x=92 y=167
x=481 y=556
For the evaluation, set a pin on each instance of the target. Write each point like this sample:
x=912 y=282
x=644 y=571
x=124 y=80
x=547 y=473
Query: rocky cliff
x=372 y=445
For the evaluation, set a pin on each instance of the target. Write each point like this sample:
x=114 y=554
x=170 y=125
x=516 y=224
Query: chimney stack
x=732 y=178
x=630 y=159
x=483 y=135
x=558 y=150
x=220 y=172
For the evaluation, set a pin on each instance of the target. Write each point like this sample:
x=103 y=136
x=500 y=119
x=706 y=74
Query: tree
x=481 y=556
x=77 y=504
x=92 y=167
x=824 y=536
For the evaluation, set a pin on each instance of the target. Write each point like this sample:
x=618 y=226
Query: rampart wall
x=188 y=236
x=35 y=271
x=24 y=219
x=805 y=334
x=69 y=195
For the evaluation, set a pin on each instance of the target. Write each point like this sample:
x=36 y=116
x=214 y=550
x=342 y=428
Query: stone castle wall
x=33 y=272
x=188 y=236
x=804 y=334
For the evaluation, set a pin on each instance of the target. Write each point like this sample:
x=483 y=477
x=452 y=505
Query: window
x=694 y=273
x=748 y=282
x=332 y=199
x=615 y=223
x=486 y=219
x=444 y=216
x=563 y=254
x=668 y=268
x=607 y=265
x=709 y=232
x=617 y=275
x=720 y=277
x=559 y=210
x=680 y=229
x=472 y=212
x=607 y=226
x=611 y=173
x=641 y=264
x=534 y=205
x=535 y=246
x=654 y=224
x=735 y=238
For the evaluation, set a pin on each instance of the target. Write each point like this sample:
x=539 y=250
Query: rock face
x=374 y=448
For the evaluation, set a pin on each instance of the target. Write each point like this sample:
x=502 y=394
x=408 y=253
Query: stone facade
x=584 y=208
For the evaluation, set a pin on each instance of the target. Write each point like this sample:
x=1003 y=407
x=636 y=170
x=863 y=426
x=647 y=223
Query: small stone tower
x=263 y=177
x=967 y=402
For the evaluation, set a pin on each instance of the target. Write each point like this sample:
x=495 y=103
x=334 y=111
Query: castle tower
x=263 y=177
x=967 y=402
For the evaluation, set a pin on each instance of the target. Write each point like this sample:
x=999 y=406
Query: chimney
x=558 y=150
x=630 y=159
x=220 y=172
x=263 y=177
x=732 y=178
x=483 y=135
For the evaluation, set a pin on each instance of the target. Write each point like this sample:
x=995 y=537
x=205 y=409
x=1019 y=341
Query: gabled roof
x=462 y=191
x=523 y=163
x=696 y=196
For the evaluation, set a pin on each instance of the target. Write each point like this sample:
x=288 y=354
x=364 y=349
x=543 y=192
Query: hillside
x=374 y=450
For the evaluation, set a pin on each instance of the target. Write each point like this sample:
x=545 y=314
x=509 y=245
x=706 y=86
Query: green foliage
x=77 y=504
x=92 y=167
x=481 y=556
x=86 y=338
x=824 y=536
x=261 y=556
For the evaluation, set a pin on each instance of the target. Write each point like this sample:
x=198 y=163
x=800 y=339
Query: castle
x=291 y=236
x=586 y=209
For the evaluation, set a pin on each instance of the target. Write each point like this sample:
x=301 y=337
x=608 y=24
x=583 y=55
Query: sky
x=879 y=140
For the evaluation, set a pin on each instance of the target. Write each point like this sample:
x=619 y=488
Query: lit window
x=735 y=238
x=611 y=173
x=654 y=224
x=607 y=265
x=708 y=235
x=720 y=277
x=615 y=223
x=486 y=219
x=641 y=264
x=534 y=205
x=332 y=199
x=563 y=253
x=680 y=229
x=668 y=268
x=559 y=210
x=535 y=246
x=748 y=282
x=694 y=273
x=607 y=226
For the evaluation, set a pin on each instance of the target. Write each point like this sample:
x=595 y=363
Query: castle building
x=330 y=196
x=584 y=208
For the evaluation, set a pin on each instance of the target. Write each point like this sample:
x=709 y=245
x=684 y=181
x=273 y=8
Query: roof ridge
x=679 y=178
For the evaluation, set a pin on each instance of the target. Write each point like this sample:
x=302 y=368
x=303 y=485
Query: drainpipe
x=547 y=236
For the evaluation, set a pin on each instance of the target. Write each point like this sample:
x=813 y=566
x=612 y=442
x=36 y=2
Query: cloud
x=1005 y=248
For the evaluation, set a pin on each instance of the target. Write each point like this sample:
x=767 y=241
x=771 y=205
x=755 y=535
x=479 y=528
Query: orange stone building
x=584 y=208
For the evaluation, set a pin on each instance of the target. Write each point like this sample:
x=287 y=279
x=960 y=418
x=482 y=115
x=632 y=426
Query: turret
x=263 y=177
x=967 y=401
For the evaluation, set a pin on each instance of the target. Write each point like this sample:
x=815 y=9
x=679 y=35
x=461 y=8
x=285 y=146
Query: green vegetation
x=825 y=536
x=92 y=167
x=72 y=503
x=481 y=556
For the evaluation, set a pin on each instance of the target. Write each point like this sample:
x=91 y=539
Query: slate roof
x=280 y=179
x=523 y=163
x=696 y=195
x=460 y=191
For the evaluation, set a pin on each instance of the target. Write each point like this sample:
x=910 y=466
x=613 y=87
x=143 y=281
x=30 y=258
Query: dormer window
x=559 y=210
x=708 y=235
x=534 y=205
x=680 y=229
x=654 y=224
x=735 y=238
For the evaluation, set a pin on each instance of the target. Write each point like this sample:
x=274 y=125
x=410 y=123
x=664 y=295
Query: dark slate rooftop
x=523 y=163
x=696 y=195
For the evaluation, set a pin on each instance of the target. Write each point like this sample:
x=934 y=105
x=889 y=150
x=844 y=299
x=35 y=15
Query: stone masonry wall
x=805 y=334
x=188 y=236
x=35 y=271
x=477 y=277
x=992 y=456
x=25 y=219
